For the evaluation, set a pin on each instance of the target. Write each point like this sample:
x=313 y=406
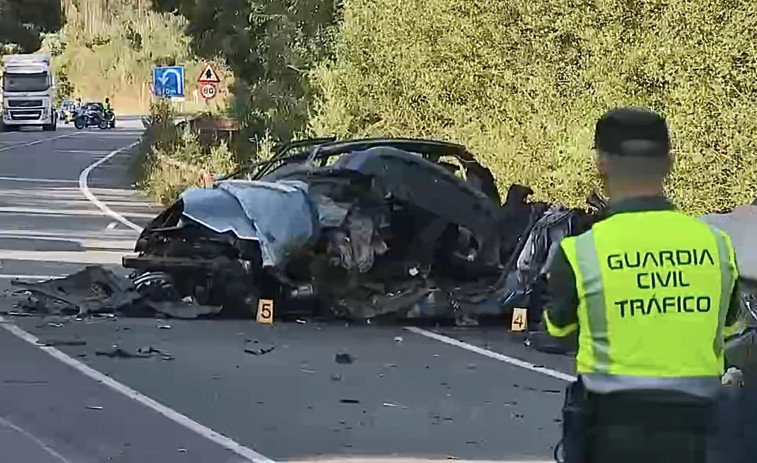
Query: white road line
x=34 y=439
x=83 y=151
x=169 y=413
x=491 y=354
x=36 y=180
x=4 y=276
x=35 y=142
x=84 y=178
x=84 y=257
x=62 y=212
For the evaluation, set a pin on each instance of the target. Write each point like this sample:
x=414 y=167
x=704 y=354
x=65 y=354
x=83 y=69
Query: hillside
x=107 y=48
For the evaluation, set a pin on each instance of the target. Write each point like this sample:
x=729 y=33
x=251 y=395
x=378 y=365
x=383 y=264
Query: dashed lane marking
x=37 y=180
x=35 y=142
x=4 y=276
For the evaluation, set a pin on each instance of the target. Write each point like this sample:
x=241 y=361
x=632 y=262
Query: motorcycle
x=110 y=117
x=91 y=116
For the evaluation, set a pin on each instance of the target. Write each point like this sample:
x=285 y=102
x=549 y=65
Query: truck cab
x=28 y=90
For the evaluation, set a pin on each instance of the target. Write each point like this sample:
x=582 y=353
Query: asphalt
x=404 y=394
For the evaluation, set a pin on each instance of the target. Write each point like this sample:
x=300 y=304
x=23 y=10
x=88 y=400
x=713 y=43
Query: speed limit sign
x=208 y=91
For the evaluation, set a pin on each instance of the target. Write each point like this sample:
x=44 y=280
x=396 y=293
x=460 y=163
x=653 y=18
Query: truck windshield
x=26 y=82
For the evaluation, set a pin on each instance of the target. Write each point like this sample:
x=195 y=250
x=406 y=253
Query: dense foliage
x=522 y=84
x=270 y=45
x=23 y=21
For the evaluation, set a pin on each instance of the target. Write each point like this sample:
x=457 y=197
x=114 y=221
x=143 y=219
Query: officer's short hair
x=635 y=140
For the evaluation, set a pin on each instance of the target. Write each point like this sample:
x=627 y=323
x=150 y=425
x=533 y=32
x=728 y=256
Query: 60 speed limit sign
x=208 y=91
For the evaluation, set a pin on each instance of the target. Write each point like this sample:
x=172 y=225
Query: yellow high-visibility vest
x=654 y=289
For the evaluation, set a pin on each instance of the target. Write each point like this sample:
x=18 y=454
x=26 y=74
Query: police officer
x=650 y=291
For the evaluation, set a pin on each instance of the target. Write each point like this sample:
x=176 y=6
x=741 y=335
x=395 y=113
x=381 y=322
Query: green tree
x=23 y=21
x=270 y=46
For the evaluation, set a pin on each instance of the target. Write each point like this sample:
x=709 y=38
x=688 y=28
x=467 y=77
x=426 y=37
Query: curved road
x=445 y=394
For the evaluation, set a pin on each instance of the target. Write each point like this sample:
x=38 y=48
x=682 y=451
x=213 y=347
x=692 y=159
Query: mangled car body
x=361 y=228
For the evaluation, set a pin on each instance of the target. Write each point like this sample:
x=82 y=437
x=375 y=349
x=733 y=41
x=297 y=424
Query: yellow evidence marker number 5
x=265 y=311
x=520 y=320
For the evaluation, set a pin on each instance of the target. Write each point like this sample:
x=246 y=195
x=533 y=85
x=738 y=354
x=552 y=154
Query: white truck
x=28 y=90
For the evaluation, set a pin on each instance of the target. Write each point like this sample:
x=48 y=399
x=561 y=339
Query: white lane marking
x=491 y=354
x=83 y=151
x=62 y=212
x=34 y=439
x=35 y=142
x=84 y=178
x=85 y=256
x=4 y=276
x=36 y=180
x=169 y=413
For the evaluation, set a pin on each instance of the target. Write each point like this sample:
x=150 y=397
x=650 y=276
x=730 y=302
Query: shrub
x=171 y=159
x=522 y=83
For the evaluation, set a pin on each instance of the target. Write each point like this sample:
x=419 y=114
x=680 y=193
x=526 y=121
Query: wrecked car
x=359 y=229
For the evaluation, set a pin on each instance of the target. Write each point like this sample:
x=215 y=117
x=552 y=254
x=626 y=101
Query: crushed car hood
x=279 y=215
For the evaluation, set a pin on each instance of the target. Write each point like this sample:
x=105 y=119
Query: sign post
x=208 y=80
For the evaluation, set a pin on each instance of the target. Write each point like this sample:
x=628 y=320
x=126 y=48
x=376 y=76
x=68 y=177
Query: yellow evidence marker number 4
x=265 y=311
x=520 y=320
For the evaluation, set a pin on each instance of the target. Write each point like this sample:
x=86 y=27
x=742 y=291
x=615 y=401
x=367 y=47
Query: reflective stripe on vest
x=654 y=290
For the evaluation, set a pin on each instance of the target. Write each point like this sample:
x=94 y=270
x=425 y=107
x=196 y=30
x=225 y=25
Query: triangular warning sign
x=208 y=75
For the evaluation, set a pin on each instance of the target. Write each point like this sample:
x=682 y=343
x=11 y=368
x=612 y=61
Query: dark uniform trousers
x=638 y=427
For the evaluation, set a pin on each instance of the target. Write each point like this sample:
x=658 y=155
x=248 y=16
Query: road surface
x=66 y=202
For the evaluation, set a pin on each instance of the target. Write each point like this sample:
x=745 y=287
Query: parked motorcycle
x=91 y=115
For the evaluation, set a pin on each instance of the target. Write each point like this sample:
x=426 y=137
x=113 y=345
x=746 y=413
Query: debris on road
x=117 y=352
x=88 y=291
x=393 y=405
x=62 y=342
x=349 y=401
x=343 y=358
x=259 y=351
x=355 y=230
x=94 y=407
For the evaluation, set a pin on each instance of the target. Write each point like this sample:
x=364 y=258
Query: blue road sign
x=168 y=81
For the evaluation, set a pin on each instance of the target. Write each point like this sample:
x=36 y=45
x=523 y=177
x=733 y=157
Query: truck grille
x=26 y=115
x=24 y=103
